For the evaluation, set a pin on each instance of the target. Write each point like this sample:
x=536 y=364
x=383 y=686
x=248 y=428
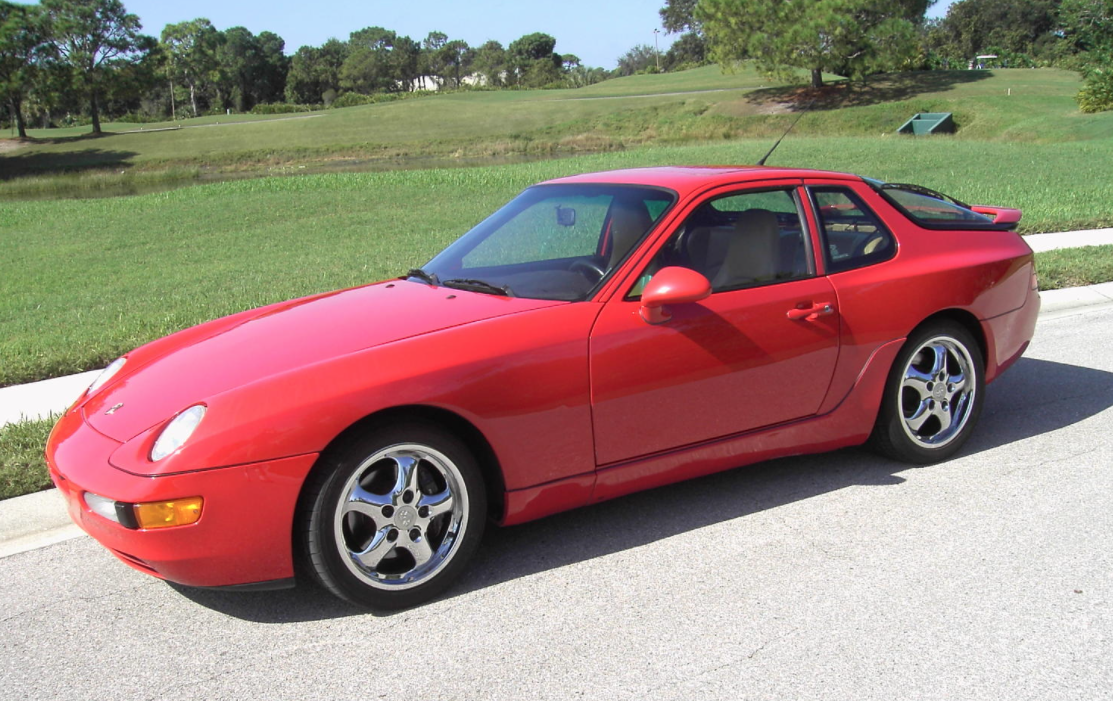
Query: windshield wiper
x=420 y=274
x=478 y=286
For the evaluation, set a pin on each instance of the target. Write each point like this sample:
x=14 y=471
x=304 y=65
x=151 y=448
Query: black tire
x=910 y=423
x=370 y=528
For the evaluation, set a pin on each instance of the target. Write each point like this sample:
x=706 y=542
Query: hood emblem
x=113 y=409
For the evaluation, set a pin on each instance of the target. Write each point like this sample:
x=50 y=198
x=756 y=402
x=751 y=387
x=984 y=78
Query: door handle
x=812 y=313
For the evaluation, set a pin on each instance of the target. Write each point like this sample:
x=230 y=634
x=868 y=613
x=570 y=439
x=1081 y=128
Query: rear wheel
x=392 y=519
x=933 y=396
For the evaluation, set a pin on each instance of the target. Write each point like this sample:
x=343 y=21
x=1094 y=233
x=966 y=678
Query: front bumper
x=244 y=535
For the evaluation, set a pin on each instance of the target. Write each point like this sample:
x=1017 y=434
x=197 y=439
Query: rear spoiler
x=1001 y=215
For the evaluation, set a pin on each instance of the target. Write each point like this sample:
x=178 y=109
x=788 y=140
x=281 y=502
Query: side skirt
x=849 y=423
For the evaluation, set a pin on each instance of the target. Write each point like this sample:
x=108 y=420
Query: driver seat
x=629 y=221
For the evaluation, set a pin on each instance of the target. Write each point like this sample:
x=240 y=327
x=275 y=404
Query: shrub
x=282 y=108
x=1097 y=94
x=354 y=99
x=351 y=99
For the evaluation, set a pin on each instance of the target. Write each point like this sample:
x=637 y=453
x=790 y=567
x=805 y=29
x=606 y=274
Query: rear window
x=932 y=210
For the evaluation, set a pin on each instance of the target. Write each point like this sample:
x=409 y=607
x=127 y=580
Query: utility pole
x=656 y=49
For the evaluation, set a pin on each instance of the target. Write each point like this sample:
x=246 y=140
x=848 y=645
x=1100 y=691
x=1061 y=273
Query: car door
x=759 y=351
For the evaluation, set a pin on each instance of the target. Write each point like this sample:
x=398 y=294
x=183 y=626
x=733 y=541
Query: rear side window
x=853 y=236
x=932 y=210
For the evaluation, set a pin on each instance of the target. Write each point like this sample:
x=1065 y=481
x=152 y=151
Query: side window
x=739 y=240
x=853 y=236
x=932 y=210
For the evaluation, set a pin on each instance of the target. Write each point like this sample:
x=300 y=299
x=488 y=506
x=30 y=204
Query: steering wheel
x=589 y=269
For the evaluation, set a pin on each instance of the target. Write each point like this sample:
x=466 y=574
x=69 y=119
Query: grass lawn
x=22 y=466
x=1074 y=267
x=83 y=281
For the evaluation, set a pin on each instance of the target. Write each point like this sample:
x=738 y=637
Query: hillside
x=691 y=106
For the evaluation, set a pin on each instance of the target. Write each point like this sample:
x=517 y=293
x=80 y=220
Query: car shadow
x=1035 y=397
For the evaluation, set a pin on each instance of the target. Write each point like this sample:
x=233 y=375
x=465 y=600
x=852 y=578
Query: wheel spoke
x=367 y=503
x=944 y=416
x=958 y=381
x=407 y=474
x=939 y=359
x=438 y=504
x=372 y=555
x=918 y=417
x=420 y=550
x=918 y=381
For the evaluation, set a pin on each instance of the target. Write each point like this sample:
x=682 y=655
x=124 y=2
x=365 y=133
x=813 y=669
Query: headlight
x=107 y=374
x=177 y=432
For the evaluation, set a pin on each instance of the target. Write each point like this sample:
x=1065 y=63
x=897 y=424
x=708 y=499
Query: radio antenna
x=790 y=126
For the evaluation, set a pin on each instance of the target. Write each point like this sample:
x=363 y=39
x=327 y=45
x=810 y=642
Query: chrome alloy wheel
x=402 y=513
x=937 y=392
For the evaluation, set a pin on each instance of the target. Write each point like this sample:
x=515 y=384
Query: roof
x=684 y=179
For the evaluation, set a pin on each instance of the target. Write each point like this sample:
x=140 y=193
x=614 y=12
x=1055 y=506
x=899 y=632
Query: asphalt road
x=841 y=576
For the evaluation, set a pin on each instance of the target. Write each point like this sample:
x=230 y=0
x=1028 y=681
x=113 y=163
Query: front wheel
x=393 y=518
x=933 y=397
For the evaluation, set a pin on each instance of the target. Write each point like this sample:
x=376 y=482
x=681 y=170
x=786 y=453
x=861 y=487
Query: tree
x=532 y=61
x=239 y=61
x=1087 y=24
x=405 y=64
x=689 y=51
x=455 y=60
x=490 y=62
x=679 y=16
x=972 y=27
x=95 y=39
x=582 y=76
x=23 y=46
x=314 y=72
x=636 y=60
x=191 y=55
x=270 y=78
x=852 y=38
x=431 y=60
x=367 y=68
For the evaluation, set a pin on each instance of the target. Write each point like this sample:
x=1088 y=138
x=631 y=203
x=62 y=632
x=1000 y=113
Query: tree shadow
x=889 y=87
x=23 y=164
x=1034 y=398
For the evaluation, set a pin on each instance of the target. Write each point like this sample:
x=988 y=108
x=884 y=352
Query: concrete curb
x=37 y=400
x=1069 y=239
x=34 y=521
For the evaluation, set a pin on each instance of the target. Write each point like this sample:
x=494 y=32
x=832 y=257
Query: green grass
x=83 y=281
x=1020 y=105
x=1074 y=267
x=22 y=465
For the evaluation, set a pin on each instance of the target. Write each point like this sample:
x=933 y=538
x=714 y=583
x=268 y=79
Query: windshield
x=551 y=242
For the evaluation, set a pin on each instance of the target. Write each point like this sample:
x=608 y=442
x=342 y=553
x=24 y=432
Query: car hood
x=205 y=361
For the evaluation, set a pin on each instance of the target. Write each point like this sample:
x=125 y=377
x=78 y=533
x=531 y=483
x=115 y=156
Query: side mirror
x=672 y=285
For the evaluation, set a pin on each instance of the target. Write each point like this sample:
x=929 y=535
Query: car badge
x=113 y=409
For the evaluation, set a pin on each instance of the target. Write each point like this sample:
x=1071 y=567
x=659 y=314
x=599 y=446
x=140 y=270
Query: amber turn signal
x=163 y=514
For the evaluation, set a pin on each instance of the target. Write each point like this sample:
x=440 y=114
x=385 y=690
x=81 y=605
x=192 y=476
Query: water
x=128 y=184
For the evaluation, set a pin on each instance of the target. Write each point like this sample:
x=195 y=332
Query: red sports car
x=598 y=335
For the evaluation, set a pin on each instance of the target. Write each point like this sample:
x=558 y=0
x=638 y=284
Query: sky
x=939 y=8
x=597 y=31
